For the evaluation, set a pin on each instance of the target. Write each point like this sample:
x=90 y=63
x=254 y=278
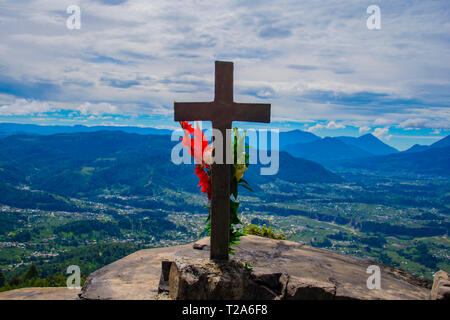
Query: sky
x=316 y=62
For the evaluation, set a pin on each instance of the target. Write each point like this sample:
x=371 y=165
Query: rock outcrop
x=262 y=268
x=202 y=279
x=441 y=286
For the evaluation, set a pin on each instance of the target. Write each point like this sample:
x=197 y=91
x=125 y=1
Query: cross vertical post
x=220 y=175
x=220 y=204
x=222 y=112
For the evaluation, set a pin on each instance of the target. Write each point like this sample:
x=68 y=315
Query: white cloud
x=316 y=127
x=419 y=123
x=25 y=107
x=97 y=108
x=413 y=123
x=364 y=129
x=380 y=133
x=306 y=58
x=22 y=107
x=330 y=125
x=383 y=122
x=334 y=125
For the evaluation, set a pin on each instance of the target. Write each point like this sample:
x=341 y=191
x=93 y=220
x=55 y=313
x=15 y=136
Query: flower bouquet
x=195 y=142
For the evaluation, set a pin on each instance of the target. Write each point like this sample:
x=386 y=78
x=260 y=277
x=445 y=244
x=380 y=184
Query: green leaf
x=235 y=220
x=247 y=187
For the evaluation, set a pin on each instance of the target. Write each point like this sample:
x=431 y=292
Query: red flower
x=201 y=168
x=205 y=180
x=195 y=148
x=186 y=126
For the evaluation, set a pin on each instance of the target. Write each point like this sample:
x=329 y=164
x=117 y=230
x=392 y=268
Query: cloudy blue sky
x=315 y=61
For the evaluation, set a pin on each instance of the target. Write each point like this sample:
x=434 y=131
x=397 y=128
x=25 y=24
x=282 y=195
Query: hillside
x=443 y=143
x=295 y=170
x=91 y=163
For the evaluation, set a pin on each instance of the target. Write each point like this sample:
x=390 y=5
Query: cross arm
x=251 y=112
x=222 y=112
x=194 y=111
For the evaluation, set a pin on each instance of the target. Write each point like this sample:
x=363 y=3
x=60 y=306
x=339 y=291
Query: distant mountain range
x=369 y=153
x=296 y=142
x=132 y=143
x=445 y=142
x=107 y=162
x=417 y=148
x=326 y=150
x=296 y=136
x=370 y=144
x=290 y=141
x=433 y=159
x=330 y=149
x=8 y=129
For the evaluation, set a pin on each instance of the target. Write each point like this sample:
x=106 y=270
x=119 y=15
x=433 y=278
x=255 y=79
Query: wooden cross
x=222 y=112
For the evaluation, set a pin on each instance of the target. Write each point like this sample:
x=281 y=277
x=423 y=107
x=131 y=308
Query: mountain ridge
x=8 y=129
x=444 y=142
x=326 y=150
x=369 y=143
x=331 y=152
x=434 y=161
x=91 y=163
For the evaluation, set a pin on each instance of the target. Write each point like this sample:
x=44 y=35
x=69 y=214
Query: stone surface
x=137 y=276
x=40 y=294
x=309 y=289
x=441 y=286
x=203 y=279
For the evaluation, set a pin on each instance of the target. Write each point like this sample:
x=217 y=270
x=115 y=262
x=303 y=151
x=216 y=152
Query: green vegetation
x=31 y=279
x=263 y=231
x=52 y=273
